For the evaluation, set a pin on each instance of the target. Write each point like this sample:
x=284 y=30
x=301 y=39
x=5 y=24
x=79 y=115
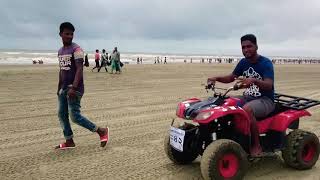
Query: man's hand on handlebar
x=211 y=82
x=240 y=84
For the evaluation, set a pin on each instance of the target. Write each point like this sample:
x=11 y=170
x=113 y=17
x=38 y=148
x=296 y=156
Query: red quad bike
x=219 y=130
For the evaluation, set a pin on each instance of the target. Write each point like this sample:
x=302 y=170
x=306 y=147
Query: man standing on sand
x=115 y=61
x=86 y=60
x=71 y=89
x=96 y=59
x=104 y=60
x=258 y=80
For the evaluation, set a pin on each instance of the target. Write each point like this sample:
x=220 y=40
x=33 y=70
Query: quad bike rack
x=294 y=102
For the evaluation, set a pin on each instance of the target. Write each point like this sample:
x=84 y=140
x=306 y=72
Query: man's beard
x=249 y=56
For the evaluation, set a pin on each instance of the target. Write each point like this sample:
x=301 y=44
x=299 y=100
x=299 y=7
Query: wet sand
x=138 y=106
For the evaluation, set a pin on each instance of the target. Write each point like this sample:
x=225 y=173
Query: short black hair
x=66 y=25
x=249 y=37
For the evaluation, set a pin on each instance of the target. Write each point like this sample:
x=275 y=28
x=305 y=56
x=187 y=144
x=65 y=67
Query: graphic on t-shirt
x=65 y=62
x=253 y=90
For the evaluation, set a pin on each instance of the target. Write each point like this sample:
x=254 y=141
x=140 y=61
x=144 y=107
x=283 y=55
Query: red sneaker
x=64 y=146
x=104 y=138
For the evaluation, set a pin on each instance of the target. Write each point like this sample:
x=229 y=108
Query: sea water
x=50 y=57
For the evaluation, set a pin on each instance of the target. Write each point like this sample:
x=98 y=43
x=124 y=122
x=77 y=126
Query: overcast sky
x=285 y=27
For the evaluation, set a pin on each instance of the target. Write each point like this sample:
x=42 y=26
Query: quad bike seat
x=278 y=109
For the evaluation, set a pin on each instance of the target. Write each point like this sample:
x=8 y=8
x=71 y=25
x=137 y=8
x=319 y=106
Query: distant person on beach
x=96 y=59
x=104 y=60
x=165 y=60
x=258 y=80
x=86 y=60
x=115 y=61
x=71 y=89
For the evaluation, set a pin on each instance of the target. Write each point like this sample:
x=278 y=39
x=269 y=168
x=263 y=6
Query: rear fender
x=283 y=120
x=240 y=120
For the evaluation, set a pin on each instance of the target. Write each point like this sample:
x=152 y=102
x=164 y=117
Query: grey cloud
x=146 y=25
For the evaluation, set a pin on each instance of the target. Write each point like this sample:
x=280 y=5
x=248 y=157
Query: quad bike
x=218 y=129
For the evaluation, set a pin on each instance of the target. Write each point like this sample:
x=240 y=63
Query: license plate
x=177 y=138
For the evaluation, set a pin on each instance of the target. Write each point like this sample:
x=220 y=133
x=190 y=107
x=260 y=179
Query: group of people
x=219 y=60
x=105 y=60
x=158 y=60
x=139 y=60
x=295 y=61
x=39 y=62
x=215 y=60
x=258 y=81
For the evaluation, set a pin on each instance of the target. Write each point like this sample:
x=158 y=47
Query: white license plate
x=177 y=138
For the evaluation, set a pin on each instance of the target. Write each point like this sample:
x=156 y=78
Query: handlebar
x=235 y=87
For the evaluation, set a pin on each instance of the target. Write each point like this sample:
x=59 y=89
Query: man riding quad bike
x=228 y=129
x=218 y=129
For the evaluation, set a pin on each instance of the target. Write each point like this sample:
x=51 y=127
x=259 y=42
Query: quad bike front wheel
x=189 y=154
x=301 y=150
x=224 y=159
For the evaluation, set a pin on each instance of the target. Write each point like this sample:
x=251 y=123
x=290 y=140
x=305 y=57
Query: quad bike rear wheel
x=301 y=149
x=224 y=159
x=189 y=154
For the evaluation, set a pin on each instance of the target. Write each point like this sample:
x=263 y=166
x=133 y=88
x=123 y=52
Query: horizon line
x=167 y=53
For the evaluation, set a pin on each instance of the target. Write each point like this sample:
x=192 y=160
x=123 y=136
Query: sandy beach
x=138 y=106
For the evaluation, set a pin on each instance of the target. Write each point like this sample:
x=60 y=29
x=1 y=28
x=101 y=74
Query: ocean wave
x=50 y=57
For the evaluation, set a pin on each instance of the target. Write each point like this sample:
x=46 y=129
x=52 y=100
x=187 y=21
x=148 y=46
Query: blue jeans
x=72 y=106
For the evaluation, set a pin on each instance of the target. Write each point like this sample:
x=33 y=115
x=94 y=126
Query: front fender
x=240 y=120
x=183 y=105
x=282 y=121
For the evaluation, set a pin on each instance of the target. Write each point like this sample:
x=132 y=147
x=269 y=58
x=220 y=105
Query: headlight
x=204 y=115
